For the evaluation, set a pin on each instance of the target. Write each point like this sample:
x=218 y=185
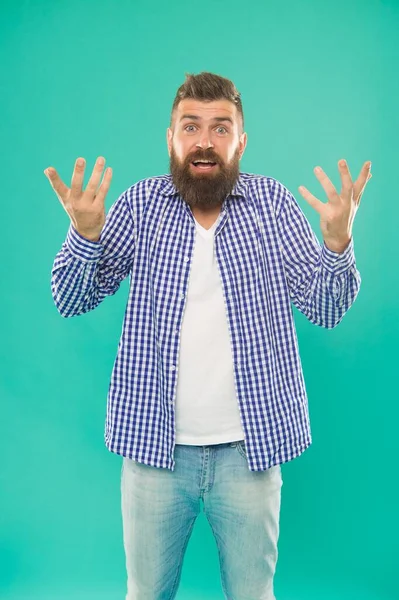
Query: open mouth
x=204 y=165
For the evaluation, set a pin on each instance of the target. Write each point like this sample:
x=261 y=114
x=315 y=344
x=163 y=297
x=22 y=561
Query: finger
x=77 y=177
x=360 y=183
x=347 y=183
x=329 y=188
x=359 y=196
x=104 y=187
x=312 y=200
x=94 y=180
x=57 y=184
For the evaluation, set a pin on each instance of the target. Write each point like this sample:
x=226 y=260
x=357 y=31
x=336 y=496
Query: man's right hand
x=86 y=209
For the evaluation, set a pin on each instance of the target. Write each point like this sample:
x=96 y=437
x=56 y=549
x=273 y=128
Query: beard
x=203 y=189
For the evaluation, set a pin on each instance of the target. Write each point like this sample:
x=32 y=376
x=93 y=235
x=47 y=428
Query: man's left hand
x=337 y=215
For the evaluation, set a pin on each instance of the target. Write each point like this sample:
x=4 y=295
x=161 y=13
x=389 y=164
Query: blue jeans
x=159 y=509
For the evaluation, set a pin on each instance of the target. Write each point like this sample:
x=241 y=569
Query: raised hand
x=337 y=215
x=86 y=209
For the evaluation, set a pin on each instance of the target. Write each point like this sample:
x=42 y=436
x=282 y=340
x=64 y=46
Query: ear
x=169 y=136
x=242 y=143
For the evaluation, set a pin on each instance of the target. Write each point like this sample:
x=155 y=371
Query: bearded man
x=207 y=397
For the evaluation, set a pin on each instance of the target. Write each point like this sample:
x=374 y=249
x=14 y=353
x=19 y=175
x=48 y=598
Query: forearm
x=330 y=289
x=76 y=284
x=85 y=272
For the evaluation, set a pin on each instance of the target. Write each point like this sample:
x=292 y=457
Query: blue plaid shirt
x=268 y=258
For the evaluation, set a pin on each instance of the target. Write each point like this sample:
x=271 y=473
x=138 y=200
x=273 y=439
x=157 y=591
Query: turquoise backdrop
x=319 y=82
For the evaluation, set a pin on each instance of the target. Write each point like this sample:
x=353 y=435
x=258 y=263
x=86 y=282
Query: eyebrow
x=197 y=118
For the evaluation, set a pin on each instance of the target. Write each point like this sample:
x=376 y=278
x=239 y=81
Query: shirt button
x=176 y=332
x=186 y=259
x=173 y=368
x=182 y=295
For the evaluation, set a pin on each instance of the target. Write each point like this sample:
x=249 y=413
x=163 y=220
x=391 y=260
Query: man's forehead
x=206 y=110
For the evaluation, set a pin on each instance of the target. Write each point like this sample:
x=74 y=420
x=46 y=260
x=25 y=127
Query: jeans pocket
x=241 y=449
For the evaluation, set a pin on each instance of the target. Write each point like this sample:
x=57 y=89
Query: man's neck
x=206 y=217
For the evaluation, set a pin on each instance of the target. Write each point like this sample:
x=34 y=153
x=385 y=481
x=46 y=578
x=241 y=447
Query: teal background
x=319 y=82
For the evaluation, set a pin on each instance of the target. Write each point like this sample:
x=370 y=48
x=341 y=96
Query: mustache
x=208 y=155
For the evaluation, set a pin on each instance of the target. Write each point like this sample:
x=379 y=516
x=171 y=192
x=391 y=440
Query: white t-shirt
x=207 y=410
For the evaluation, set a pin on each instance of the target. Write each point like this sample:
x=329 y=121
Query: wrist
x=90 y=236
x=337 y=246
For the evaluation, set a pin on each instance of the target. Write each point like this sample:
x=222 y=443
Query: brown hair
x=207 y=87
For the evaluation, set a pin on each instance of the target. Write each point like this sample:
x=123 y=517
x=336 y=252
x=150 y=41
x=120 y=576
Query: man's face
x=208 y=131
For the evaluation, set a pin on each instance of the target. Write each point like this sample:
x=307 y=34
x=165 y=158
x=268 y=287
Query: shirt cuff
x=81 y=247
x=337 y=262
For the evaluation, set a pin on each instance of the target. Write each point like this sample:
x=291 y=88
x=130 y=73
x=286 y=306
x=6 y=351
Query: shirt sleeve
x=323 y=284
x=85 y=272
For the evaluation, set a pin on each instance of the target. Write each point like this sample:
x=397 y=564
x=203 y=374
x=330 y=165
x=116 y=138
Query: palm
x=337 y=215
x=86 y=208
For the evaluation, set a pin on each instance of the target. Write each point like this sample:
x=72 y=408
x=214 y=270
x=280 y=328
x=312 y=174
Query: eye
x=187 y=127
x=224 y=129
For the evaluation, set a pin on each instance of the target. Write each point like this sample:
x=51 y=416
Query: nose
x=205 y=141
